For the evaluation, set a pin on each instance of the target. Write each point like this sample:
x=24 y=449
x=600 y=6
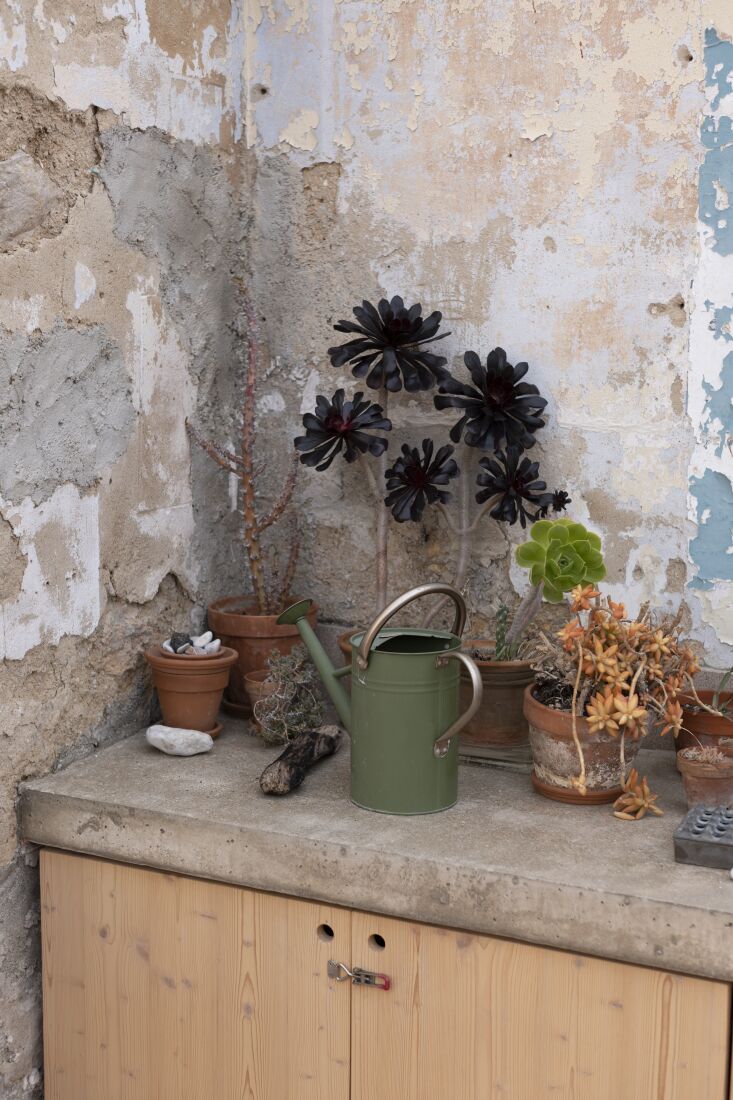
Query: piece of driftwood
x=288 y=771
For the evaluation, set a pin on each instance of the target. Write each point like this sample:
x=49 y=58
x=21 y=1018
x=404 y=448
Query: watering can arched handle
x=441 y=746
x=436 y=589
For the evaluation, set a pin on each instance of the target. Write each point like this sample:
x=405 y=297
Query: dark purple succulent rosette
x=499 y=409
x=514 y=479
x=555 y=502
x=388 y=349
x=340 y=426
x=416 y=480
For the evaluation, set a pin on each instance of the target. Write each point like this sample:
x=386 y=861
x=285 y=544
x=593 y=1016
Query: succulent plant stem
x=382 y=519
x=244 y=467
x=579 y=781
x=525 y=613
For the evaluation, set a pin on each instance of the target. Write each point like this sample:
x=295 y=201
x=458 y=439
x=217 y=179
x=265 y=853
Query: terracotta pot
x=190 y=689
x=700 y=729
x=500 y=721
x=345 y=645
x=556 y=761
x=257 y=688
x=254 y=637
x=709 y=784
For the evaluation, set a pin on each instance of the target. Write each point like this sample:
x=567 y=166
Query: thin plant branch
x=382 y=520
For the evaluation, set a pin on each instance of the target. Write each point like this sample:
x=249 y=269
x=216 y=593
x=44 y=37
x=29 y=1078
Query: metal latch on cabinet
x=357 y=976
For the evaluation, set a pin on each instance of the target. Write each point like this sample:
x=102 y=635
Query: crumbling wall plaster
x=124 y=209
x=533 y=173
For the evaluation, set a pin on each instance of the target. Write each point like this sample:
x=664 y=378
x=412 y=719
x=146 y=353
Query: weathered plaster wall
x=124 y=208
x=531 y=168
x=555 y=177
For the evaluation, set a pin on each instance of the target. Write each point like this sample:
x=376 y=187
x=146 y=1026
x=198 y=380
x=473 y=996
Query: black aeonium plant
x=340 y=425
x=389 y=348
x=499 y=409
x=515 y=481
x=416 y=479
x=556 y=502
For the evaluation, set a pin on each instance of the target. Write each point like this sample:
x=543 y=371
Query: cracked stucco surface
x=123 y=212
x=550 y=176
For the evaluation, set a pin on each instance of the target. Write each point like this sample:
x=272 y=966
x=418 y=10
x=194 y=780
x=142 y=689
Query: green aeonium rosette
x=560 y=555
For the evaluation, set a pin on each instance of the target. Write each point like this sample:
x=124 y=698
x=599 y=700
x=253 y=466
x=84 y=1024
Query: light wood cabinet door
x=476 y=1018
x=160 y=987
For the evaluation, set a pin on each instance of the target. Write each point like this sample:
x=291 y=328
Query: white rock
x=202 y=640
x=178 y=742
x=212 y=647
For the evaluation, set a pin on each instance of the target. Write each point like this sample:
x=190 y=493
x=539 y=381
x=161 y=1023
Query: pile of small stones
x=203 y=645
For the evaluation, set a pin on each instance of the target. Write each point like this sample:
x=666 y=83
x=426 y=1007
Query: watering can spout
x=297 y=615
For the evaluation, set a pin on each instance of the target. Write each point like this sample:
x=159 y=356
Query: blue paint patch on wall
x=718 y=65
x=721 y=324
x=719 y=404
x=716 y=171
x=713 y=493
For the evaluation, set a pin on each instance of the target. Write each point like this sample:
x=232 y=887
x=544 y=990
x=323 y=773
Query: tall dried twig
x=244 y=467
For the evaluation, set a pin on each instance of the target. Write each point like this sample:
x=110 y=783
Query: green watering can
x=404 y=711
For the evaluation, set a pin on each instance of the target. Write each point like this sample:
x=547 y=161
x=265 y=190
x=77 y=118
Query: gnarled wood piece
x=288 y=771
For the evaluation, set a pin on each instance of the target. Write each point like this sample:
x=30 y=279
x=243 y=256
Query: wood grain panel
x=475 y=1018
x=159 y=987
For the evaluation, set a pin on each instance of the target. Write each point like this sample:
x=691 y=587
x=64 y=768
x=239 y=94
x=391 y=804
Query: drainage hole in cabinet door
x=325 y=932
x=376 y=942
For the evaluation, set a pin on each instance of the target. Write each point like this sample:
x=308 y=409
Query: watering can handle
x=437 y=589
x=441 y=746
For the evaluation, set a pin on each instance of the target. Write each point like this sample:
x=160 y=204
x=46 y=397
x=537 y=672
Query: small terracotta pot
x=254 y=637
x=500 y=720
x=190 y=689
x=556 y=761
x=257 y=688
x=709 y=784
x=700 y=729
x=344 y=643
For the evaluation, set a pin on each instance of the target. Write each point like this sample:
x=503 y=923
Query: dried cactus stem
x=243 y=466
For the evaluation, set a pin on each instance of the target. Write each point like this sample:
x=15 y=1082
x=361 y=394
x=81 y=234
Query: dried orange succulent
x=637 y=800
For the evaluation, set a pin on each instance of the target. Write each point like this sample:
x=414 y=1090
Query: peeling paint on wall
x=710 y=391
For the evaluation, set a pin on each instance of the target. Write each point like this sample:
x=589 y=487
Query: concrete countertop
x=504 y=860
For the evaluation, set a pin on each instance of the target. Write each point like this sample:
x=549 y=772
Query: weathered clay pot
x=254 y=637
x=257 y=689
x=700 y=729
x=556 y=761
x=708 y=783
x=190 y=689
x=500 y=722
x=345 y=645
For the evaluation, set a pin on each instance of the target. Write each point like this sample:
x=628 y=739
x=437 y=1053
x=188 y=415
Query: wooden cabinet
x=477 y=1018
x=160 y=987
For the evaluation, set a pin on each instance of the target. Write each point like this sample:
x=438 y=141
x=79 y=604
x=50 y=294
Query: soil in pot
x=190 y=689
x=701 y=729
x=257 y=689
x=254 y=637
x=556 y=761
x=499 y=732
x=707 y=775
